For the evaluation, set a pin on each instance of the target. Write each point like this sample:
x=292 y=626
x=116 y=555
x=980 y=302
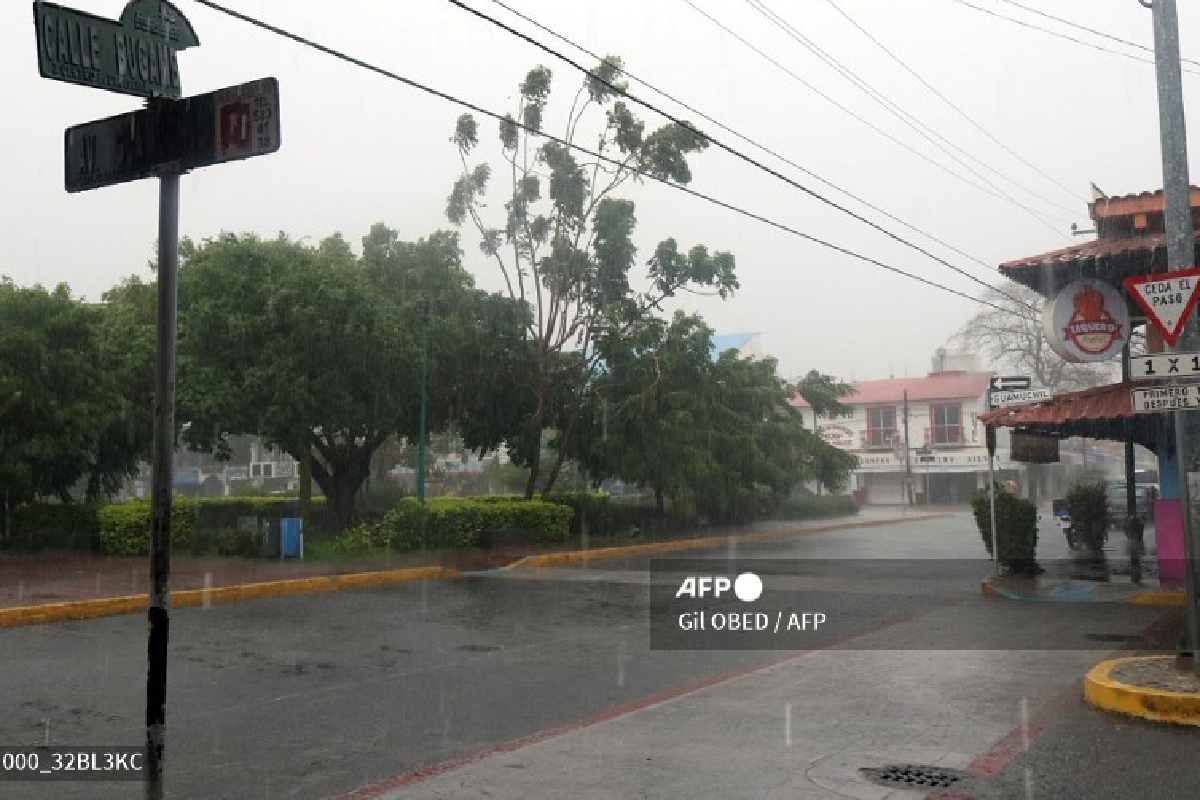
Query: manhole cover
x=914 y=776
x=480 y=648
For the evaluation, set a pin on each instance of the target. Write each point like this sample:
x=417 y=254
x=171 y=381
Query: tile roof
x=1098 y=248
x=1098 y=403
x=1103 y=412
x=935 y=386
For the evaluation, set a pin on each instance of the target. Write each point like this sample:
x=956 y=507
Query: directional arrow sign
x=1166 y=365
x=1018 y=397
x=1010 y=382
x=1166 y=398
x=1167 y=299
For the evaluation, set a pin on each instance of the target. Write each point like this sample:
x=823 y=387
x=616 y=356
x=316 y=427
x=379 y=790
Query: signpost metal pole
x=160 y=501
x=908 y=478
x=1180 y=254
x=991 y=448
x=424 y=399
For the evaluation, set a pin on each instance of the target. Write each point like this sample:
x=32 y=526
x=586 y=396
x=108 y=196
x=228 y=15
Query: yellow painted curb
x=192 y=598
x=1158 y=705
x=1160 y=598
x=575 y=556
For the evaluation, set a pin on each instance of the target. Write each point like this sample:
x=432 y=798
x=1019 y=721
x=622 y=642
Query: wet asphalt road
x=314 y=696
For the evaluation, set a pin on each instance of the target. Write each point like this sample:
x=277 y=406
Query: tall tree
x=720 y=434
x=823 y=394
x=63 y=398
x=1012 y=337
x=318 y=351
x=563 y=244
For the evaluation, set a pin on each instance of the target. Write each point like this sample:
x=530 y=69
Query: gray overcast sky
x=359 y=148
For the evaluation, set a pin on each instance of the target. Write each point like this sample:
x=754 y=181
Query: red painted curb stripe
x=376 y=790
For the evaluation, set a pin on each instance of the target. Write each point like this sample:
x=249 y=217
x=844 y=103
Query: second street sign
x=226 y=125
x=1166 y=398
x=133 y=55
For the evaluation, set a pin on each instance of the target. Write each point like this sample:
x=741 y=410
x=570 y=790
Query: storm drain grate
x=914 y=776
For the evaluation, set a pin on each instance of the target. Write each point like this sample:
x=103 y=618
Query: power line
x=558 y=140
x=762 y=147
x=1031 y=26
x=738 y=154
x=1093 y=31
x=979 y=127
x=921 y=129
x=842 y=107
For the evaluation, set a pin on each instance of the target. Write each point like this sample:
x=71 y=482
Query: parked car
x=1118 y=502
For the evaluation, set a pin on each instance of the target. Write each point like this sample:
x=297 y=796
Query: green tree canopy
x=312 y=347
x=68 y=397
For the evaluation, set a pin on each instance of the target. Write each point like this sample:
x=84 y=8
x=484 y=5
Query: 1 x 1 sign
x=1166 y=365
x=1018 y=397
x=1166 y=398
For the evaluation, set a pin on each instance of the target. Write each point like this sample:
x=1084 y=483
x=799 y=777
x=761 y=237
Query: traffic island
x=1150 y=687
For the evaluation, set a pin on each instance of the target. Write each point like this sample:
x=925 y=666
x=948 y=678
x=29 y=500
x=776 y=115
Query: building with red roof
x=944 y=454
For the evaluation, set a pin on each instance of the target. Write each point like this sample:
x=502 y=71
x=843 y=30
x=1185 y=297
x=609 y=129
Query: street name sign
x=226 y=125
x=133 y=55
x=1167 y=299
x=1165 y=365
x=1166 y=398
x=1009 y=382
x=1018 y=397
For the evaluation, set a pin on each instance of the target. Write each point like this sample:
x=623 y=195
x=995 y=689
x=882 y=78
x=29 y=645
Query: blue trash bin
x=291 y=538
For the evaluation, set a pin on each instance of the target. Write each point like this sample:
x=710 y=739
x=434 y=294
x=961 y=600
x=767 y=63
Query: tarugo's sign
x=1086 y=321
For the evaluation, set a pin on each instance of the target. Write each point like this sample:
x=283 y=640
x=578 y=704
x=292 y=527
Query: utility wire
x=979 y=127
x=1092 y=31
x=738 y=154
x=842 y=107
x=1031 y=26
x=558 y=140
x=920 y=128
x=762 y=147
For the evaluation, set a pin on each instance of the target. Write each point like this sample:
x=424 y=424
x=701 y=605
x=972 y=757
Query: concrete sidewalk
x=787 y=730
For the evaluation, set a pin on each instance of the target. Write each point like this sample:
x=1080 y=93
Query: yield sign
x=1167 y=299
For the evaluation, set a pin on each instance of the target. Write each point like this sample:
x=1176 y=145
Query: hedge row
x=198 y=525
x=40 y=525
x=454 y=523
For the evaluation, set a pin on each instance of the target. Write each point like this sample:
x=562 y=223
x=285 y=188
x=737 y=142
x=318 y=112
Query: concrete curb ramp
x=1079 y=592
x=576 y=556
x=1158 y=705
x=192 y=598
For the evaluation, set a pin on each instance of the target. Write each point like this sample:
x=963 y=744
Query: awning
x=1103 y=412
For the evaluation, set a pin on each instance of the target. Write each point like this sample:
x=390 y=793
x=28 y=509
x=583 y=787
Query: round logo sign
x=837 y=435
x=1087 y=320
